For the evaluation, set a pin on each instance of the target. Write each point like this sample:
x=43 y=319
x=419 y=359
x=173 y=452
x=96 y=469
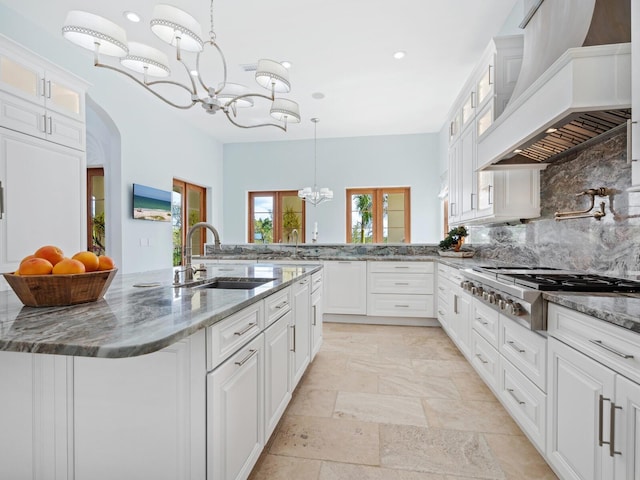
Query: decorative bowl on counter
x=60 y=290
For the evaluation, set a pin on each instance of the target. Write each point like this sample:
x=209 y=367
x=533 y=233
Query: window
x=95 y=211
x=274 y=215
x=188 y=207
x=378 y=215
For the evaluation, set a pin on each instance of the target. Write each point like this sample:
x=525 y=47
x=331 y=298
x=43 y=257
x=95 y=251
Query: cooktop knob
x=492 y=298
x=516 y=309
x=502 y=304
x=479 y=292
x=474 y=290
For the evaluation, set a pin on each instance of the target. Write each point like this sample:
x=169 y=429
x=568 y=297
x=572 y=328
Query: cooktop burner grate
x=575 y=282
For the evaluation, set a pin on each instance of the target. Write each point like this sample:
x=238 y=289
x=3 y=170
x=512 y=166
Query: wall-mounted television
x=151 y=203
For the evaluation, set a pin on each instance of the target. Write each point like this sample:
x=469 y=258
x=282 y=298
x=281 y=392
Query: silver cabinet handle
x=515 y=346
x=50 y=125
x=48 y=88
x=315 y=314
x=402 y=283
x=401 y=306
x=601 y=400
x=303 y=282
x=342 y=261
x=472 y=200
x=610 y=349
x=281 y=305
x=485 y=323
x=473 y=100
x=490 y=77
x=246 y=359
x=441 y=312
x=245 y=329
x=293 y=334
x=489 y=199
x=1 y=201
x=44 y=88
x=512 y=393
x=481 y=359
x=44 y=124
x=442 y=289
x=400 y=266
x=612 y=430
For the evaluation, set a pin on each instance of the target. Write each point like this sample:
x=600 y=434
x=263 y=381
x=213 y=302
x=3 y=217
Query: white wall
x=156 y=145
x=381 y=161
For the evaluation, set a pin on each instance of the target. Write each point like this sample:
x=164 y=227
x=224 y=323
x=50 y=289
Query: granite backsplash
x=609 y=246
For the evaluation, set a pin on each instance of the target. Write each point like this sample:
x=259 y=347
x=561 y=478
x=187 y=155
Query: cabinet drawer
x=277 y=305
x=486 y=360
x=230 y=334
x=400 y=267
x=486 y=322
x=616 y=347
x=381 y=304
x=525 y=402
x=418 y=283
x=526 y=350
x=316 y=281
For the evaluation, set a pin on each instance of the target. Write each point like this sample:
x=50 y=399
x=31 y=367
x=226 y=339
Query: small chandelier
x=315 y=195
x=180 y=30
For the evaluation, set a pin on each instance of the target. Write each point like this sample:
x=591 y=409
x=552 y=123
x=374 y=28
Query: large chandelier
x=180 y=30
x=315 y=195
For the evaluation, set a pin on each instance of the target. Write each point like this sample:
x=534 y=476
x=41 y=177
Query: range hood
x=572 y=88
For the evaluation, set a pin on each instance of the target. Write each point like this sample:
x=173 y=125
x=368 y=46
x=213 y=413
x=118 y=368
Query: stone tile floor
x=395 y=403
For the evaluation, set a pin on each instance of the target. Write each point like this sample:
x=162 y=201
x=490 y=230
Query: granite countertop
x=622 y=309
x=134 y=320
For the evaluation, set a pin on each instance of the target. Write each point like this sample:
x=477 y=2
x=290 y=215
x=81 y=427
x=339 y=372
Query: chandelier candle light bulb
x=183 y=32
x=315 y=195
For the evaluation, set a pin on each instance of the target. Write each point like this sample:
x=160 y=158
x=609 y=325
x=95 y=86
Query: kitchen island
x=152 y=381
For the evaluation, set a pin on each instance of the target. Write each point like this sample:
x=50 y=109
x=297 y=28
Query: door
x=277 y=391
x=626 y=448
x=301 y=334
x=580 y=394
x=345 y=287
x=235 y=413
x=44 y=197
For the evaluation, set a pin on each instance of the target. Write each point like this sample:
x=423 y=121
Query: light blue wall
x=382 y=161
x=156 y=144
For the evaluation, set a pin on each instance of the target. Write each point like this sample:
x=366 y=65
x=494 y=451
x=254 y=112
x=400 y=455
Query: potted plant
x=454 y=239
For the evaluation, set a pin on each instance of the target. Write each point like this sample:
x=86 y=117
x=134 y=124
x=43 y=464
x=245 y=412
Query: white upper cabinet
x=40 y=99
x=484 y=196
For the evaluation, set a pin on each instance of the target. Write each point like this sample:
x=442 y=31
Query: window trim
x=377 y=211
x=277 y=196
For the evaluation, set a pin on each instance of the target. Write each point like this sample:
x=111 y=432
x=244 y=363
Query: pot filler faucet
x=188 y=269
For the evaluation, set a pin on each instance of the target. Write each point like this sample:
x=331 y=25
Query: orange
x=106 y=263
x=35 y=266
x=27 y=258
x=89 y=259
x=51 y=253
x=68 y=266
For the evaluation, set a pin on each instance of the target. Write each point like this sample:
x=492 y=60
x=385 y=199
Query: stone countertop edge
x=621 y=309
x=131 y=321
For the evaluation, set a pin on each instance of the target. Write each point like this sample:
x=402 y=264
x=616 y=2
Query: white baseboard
x=365 y=319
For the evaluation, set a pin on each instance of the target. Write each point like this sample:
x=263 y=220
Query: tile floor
x=395 y=403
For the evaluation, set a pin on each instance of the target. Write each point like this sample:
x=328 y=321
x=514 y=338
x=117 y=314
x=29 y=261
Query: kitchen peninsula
x=195 y=381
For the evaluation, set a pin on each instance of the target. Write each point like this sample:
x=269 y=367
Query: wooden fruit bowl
x=60 y=290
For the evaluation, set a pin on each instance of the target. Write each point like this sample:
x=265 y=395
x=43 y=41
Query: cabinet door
x=316 y=322
x=626 y=413
x=580 y=392
x=62 y=97
x=461 y=320
x=345 y=287
x=21 y=78
x=44 y=197
x=141 y=417
x=22 y=116
x=277 y=391
x=301 y=331
x=467 y=175
x=454 y=183
x=235 y=412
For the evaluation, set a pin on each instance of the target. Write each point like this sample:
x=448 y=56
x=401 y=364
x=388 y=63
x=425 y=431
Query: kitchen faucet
x=189 y=270
x=295 y=230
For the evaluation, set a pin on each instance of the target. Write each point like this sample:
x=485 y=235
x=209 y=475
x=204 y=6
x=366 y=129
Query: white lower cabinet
x=140 y=417
x=300 y=330
x=594 y=407
x=345 y=287
x=277 y=390
x=235 y=425
x=317 y=313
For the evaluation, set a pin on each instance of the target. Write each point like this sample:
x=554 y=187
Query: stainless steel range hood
x=574 y=85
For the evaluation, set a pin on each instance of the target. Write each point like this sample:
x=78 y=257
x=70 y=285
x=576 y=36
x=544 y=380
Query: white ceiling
x=341 y=48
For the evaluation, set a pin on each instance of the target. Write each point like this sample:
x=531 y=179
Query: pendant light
x=315 y=195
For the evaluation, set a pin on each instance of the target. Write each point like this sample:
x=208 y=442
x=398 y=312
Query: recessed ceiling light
x=399 y=54
x=131 y=16
x=517 y=150
x=286 y=64
x=551 y=130
x=317 y=95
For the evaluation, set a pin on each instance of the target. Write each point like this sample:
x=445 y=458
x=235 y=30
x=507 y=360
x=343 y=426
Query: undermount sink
x=239 y=283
